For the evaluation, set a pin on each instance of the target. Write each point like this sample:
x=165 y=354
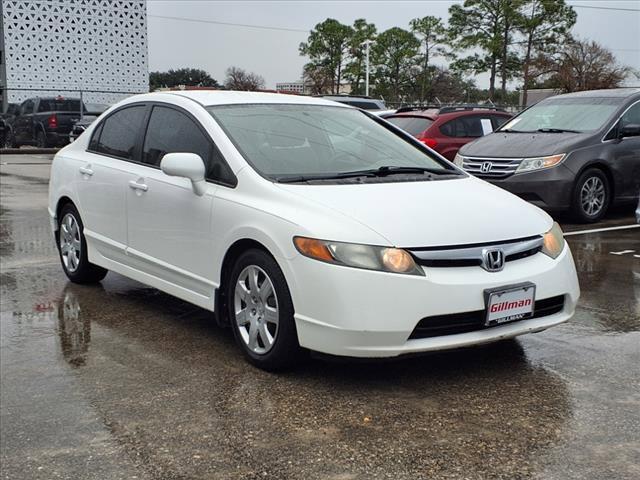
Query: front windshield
x=282 y=141
x=577 y=114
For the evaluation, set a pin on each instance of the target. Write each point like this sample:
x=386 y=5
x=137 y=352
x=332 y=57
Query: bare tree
x=580 y=65
x=240 y=79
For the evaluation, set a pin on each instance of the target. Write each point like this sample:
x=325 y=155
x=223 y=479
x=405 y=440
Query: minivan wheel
x=591 y=196
x=261 y=311
x=72 y=247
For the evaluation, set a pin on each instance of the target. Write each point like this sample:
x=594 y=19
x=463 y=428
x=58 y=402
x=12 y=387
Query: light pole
x=366 y=43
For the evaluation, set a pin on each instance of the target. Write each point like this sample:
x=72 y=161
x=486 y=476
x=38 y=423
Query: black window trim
x=145 y=126
x=616 y=122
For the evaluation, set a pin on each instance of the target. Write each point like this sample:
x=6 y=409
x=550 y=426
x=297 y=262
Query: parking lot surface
x=120 y=380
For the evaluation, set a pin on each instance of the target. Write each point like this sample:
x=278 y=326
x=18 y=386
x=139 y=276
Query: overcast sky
x=274 y=53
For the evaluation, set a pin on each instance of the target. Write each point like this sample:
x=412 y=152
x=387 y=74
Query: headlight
x=538 y=163
x=553 y=241
x=385 y=259
x=458 y=160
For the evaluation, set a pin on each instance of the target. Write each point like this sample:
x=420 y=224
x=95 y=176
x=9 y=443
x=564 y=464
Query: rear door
x=169 y=226
x=102 y=176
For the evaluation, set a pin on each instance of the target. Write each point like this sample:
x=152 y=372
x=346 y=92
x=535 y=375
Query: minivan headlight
x=458 y=159
x=369 y=257
x=538 y=163
x=553 y=241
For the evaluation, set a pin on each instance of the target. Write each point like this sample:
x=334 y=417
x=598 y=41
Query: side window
x=119 y=132
x=499 y=120
x=95 y=138
x=27 y=107
x=631 y=117
x=171 y=131
x=463 y=127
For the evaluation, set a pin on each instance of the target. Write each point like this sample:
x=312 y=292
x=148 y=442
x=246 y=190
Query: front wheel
x=591 y=196
x=261 y=312
x=72 y=247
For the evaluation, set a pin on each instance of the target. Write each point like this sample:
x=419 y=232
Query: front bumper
x=550 y=189
x=359 y=313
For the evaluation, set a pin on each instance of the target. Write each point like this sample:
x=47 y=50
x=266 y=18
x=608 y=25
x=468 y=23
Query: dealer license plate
x=507 y=304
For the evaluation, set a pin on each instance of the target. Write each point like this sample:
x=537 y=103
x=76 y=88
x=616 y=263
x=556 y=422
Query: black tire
x=10 y=140
x=586 y=212
x=285 y=350
x=78 y=269
x=41 y=139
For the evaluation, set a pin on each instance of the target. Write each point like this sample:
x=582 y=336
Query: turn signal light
x=313 y=248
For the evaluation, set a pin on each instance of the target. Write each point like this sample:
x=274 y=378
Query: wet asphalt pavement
x=120 y=381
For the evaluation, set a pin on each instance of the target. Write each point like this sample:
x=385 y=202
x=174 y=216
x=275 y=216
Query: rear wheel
x=72 y=247
x=591 y=196
x=41 y=139
x=261 y=311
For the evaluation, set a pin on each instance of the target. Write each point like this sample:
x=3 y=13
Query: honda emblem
x=492 y=259
x=486 y=167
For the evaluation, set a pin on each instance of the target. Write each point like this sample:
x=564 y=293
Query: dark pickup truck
x=44 y=122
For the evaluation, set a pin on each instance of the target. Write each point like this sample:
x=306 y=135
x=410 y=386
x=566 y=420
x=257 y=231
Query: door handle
x=86 y=171
x=138 y=186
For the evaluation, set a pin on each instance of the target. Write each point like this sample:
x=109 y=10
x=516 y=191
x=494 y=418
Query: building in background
x=292 y=87
x=64 y=47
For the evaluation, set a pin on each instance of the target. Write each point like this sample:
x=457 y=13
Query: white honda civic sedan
x=305 y=224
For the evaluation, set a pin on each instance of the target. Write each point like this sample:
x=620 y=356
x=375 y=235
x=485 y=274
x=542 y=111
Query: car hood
x=430 y=213
x=517 y=145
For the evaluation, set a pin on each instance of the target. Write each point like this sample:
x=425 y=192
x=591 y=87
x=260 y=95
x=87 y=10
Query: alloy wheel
x=256 y=309
x=70 y=243
x=592 y=196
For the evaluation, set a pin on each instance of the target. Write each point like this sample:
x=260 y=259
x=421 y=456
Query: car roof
x=231 y=97
x=433 y=114
x=608 y=93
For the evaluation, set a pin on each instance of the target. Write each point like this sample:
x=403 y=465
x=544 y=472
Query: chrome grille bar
x=485 y=167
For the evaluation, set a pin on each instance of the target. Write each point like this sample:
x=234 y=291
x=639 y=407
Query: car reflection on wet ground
x=122 y=381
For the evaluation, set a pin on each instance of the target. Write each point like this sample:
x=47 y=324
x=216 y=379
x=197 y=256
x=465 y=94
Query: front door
x=169 y=226
x=627 y=156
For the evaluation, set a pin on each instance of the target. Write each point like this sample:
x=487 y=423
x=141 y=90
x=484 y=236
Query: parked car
x=305 y=224
x=363 y=102
x=94 y=110
x=6 y=117
x=44 y=122
x=447 y=129
x=578 y=152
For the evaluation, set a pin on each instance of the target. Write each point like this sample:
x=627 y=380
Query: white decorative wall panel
x=87 y=45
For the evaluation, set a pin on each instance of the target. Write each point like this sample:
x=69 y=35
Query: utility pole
x=366 y=43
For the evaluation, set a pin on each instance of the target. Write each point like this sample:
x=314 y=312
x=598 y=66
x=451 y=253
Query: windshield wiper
x=557 y=130
x=372 y=172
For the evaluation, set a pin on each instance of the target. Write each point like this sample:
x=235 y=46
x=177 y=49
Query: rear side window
x=499 y=120
x=27 y=107
x=172 y=131
x=50 y=105
x=469 y=126
x=413 y=125
x=119 y=133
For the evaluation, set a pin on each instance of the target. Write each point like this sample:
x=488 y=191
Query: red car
x=447 y=129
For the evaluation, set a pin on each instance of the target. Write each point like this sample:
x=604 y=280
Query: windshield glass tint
x=413 y=125
x=580 y=114
x=292 y=140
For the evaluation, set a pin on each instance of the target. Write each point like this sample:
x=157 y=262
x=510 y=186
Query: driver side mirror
x=629 y=130
x=186 y=165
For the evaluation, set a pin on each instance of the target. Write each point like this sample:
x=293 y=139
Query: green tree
x=355 y=69
x=394 y=55
x=487 y=25
x=545 y=25
x=327 y=47
x=432 y=35
x=191 y=77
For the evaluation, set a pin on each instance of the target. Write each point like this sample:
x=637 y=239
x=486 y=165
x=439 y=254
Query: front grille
x=455 y=323
x=472 y=255
x=496 y=167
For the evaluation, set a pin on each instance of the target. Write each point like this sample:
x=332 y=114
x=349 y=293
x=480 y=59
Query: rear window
x=50 y=105
x=413 y=125
x=119 y=133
